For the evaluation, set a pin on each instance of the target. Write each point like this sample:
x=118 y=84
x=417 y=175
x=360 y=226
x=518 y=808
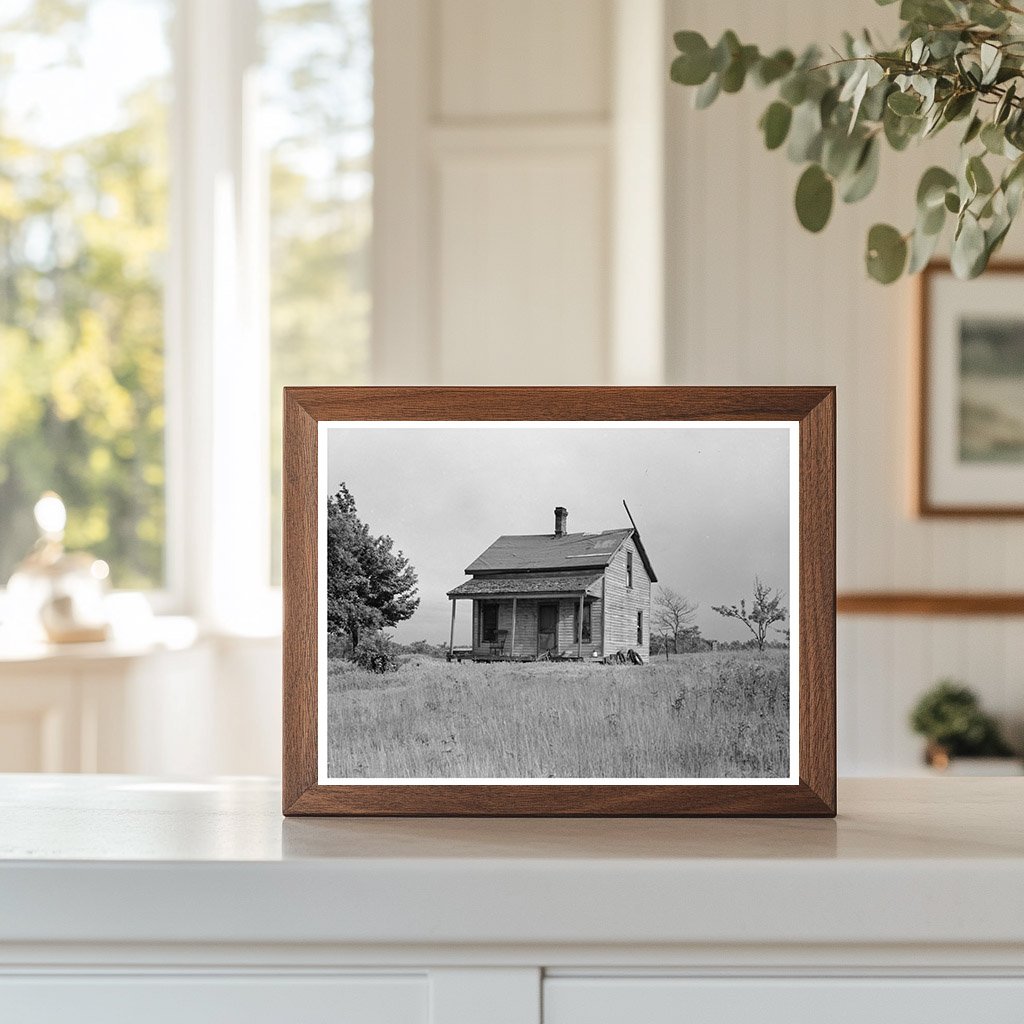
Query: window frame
x=629 y=570
x=640 y=626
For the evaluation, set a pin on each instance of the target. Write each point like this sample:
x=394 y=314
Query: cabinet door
x=202 y=999
x=782 y=1001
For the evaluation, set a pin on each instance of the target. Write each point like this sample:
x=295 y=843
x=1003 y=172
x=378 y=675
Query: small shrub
x=949 y=715
x=376 y=652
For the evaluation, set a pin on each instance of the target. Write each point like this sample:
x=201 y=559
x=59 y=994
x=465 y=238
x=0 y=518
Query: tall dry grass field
x=712 y=715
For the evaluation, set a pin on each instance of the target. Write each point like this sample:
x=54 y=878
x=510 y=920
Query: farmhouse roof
x=544 y=551
x=530 y=584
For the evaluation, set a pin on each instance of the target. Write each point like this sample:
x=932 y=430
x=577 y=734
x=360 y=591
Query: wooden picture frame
x=940 y=489
x=807 y=413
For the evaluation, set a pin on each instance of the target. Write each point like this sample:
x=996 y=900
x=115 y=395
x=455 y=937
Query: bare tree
x=765 y=610
x=672 y=614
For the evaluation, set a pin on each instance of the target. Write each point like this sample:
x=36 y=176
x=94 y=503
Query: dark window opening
x=586 y=624
x=488 y=622
x=629 y=569
x=639 y=627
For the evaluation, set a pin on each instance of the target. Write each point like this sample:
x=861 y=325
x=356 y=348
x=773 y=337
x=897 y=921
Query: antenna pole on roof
x=630 y=514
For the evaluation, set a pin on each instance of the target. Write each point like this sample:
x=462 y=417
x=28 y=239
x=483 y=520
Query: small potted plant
x=950 y=717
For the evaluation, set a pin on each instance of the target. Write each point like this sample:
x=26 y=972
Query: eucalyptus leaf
x=973 y=130
x=886 y=253
x=794 y=88
x=978 y=176
x=771 y=69
x=993 y=138
x=805 y=133
x=707 y=93
x=775 y=122
x=968 y=248
x=954 y=60
x=814 y=196
x=865 y=173
x=904 y=103
x=931 y=190
x=922 y=248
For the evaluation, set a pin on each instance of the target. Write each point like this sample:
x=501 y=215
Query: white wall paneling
x=516 y=164
x=751 y=298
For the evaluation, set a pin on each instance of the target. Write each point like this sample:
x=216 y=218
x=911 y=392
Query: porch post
x=579 y=635
x=451 y=635
x=512 y=650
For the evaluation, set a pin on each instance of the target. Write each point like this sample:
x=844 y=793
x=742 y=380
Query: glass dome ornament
x=56 y=595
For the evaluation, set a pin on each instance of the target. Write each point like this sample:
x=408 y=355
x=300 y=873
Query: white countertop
x=120 y=859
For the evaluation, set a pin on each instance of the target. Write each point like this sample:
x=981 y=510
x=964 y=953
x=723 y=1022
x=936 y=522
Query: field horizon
x=720 y=714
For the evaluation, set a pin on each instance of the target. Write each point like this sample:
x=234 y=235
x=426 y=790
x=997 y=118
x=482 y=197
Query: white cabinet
x=216 y=1000
x=829 y=1000
x=133 y=899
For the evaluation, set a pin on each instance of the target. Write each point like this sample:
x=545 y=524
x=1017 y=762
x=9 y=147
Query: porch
x=530 y=618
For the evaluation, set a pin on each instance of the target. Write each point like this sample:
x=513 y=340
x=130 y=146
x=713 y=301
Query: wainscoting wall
x=754 y=299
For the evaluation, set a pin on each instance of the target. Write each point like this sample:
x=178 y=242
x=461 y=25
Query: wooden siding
x=526 y=626
x=625 y=602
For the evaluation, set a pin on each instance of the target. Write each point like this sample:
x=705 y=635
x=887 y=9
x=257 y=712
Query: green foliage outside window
x=83 y=217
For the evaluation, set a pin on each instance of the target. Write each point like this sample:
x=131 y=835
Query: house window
x=488 y=621
x=83 y=243
x=639 y=627
x=586 y=624
x=629 y=569
x=316 y=123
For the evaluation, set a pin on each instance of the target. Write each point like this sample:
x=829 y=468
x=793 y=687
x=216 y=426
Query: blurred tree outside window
x=83 y=237
x=317 y=123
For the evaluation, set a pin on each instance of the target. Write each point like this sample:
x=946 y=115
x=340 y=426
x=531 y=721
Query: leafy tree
x=672 y=614
x=368 y=585
x=82 y=233
x=765 y=610
x=956 y=61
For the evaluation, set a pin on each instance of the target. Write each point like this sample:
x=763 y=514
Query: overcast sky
x=711 y=503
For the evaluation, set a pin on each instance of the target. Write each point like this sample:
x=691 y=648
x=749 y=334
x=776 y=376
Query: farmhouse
x=580 y=595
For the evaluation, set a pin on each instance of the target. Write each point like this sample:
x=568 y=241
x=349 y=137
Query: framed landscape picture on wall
x=589 y=601
x=970 y=450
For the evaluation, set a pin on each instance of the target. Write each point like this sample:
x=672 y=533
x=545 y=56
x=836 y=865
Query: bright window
x=83 y=236
x=317 y=118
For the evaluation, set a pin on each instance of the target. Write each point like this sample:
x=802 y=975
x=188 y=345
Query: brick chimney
x=561 y=517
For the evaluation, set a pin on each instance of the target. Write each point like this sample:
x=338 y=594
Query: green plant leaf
x=952 y=202
x=735 y=74
x=693 y=65
x=707 y=93
x=973 y=130
x=978 y=176
x=771 y=69
x=987 y=15
x=904 y=103
x=922 y=247
x=775 y=124
x=993 y=138
x=794 y=89
x=805 y=133
x=814 y=195
x=968 y=255
x=931 y=191
x=725 y=49
x=865 y=173
x=886 y=254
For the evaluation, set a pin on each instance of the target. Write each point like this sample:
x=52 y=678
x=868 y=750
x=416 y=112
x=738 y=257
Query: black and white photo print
x=604 y=602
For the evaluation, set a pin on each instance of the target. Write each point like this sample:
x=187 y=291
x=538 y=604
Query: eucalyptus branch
x=954 y=62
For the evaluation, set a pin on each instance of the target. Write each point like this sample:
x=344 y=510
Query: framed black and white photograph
x=971 y=393
x=513 y=612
